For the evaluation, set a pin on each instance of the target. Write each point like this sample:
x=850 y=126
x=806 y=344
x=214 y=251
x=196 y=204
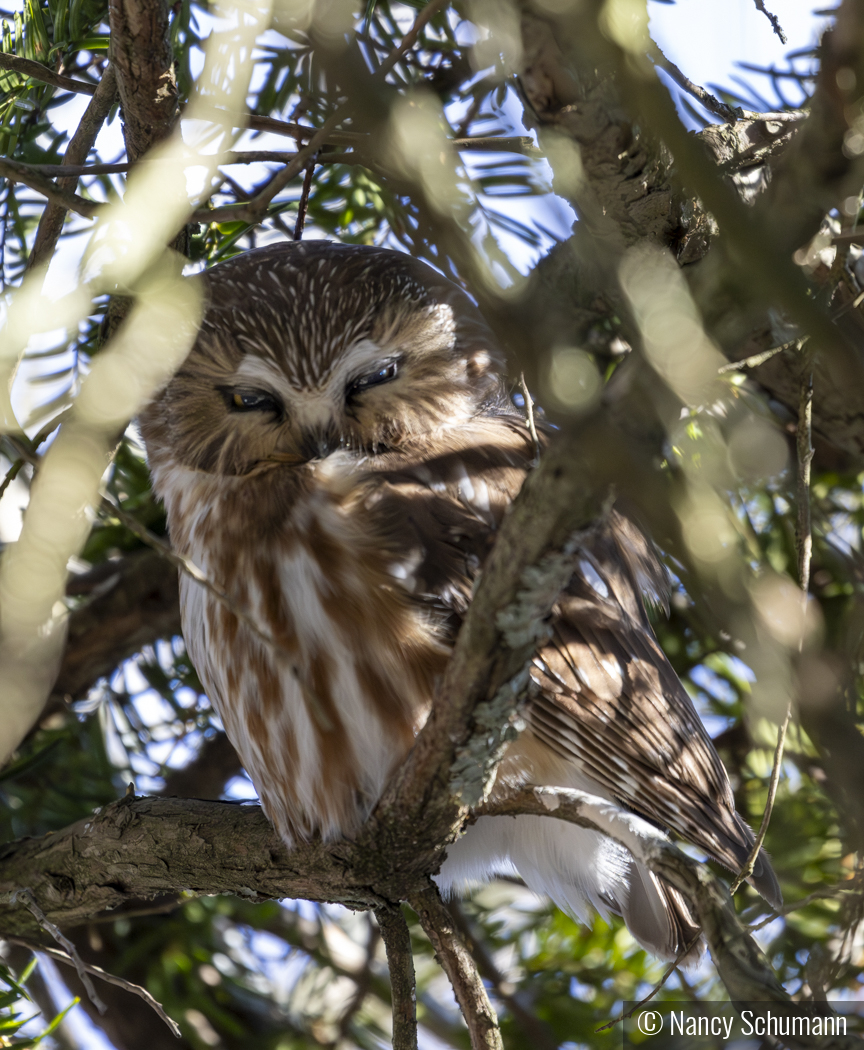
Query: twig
x=529 y=412
x=456 y=961
x=303 y=203
x=400 y=961
x=302 y=131
x=16 y=172
x=804 y=535
x=804 y=545
x=11 y=475
x=480 y=143
x=186 y=565
x=255 y=210
x=747 y=868
x=725 y=112
x=54 y=215
x=29 y=901
x=495 y=144
x=120 y=168
x=538 y=1034
x=97 y=971
x=26 y=68
x=787 y=909
x=773 y=19
x=410 y=38
x=757 y=359
x=666 y=975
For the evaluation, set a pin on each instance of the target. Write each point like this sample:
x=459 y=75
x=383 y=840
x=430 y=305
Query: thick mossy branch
x=140 y=848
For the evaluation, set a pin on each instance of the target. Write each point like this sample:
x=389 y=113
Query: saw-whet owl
x=336 y=454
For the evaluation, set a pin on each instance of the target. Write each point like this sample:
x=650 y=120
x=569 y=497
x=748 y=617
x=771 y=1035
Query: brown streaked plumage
x=336 y=453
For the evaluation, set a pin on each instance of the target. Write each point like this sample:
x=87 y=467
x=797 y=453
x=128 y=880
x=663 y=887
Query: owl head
x=311 y=347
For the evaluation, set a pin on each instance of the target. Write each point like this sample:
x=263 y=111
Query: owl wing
x=609 y=703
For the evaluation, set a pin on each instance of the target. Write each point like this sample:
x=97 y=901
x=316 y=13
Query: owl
x=336 y=454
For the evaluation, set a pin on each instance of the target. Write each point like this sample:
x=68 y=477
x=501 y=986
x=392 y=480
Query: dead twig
x=25 y=896
x=103 y=975
x=747 y=868
x=818 y=895
x=757 y=359
x=303 y=203
x=773 y=19
x=667 y=973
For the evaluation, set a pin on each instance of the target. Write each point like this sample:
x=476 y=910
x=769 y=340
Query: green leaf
x=56 y=1022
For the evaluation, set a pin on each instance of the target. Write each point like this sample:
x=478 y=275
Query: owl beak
x=318 y=444
x=289 y=458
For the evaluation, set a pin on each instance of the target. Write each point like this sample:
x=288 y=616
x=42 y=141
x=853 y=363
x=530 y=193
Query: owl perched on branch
x=336 y=454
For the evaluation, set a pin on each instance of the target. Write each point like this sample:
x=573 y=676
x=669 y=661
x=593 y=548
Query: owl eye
x=253 y=401
x=382 y=374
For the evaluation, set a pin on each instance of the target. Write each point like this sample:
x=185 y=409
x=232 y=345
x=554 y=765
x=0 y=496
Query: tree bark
x=142 y=56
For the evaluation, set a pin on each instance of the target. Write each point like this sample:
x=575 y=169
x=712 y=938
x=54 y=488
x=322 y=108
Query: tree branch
x=456 y=961
x=400 y=961
x=537 y=1032
x=51 y=222
x=37 y=71
x=16 y=172
x=824 y=164
x=570 y=89
x=140 y=848
x=141 y=54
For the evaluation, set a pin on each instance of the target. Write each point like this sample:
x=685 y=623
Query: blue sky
x=707 y=38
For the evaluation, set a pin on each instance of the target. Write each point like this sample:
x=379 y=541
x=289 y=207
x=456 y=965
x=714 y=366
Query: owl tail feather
x=763 y=879
x=582 y=871
x=659 y=918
